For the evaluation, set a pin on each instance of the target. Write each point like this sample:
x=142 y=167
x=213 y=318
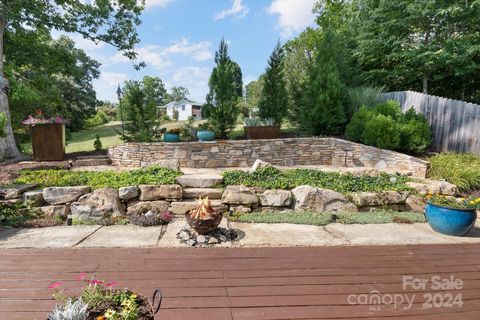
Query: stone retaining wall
x=282 y=152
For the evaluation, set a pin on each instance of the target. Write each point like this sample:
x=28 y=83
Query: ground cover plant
x=325 y=218
x=23 y=215
x=463 y=170
x=98 y=179
x=273 y=178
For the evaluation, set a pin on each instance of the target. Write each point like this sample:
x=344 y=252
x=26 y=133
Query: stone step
x=200 y=180
x=181 y=207
x=195 y=193
x=93 y=162
x=14 y=192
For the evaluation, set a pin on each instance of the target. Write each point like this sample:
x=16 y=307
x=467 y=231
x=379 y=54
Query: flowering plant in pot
x=172 y=135
x=100 y=301
x=41 y=118
x=203 y=219
x=450 y=215
x=255 y=128
x=205 y=132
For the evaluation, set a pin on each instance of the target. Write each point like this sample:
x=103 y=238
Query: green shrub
x=97 y=143
x=415 y=136
x=363 y=96
x=273 y=178
x=101 y=179
x=462 y=170
x=98 y=119
x=389 y=108
x=356 y=127
x=382 y=132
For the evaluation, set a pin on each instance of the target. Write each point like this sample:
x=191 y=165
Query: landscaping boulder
x=128 y=193
x=239 y=195
x=16 y=191
x=101 y=204
x=415 y=204
x=34 y=198
x=159 y=192
x=276 y=198
x=61 y=210
x=434 y=187
x=371 y=199
x=195 y=193
x=319 y=200
x=142 y=207
x=62 y=195
x=200 y=180
x=259 y=164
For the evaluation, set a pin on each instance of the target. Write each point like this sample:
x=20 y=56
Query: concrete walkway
x=250 y=235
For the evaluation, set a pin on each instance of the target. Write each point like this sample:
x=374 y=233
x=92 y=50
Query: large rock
x=319 y=200
x=239 y=195
x=101 y=204
x=167 y=163
x=200 y=180
x=34 y=198
x=159 y=192
x=434 y=187
x=370 y=199
x=276 y=198
x=57 y=210
x=415 y=204
x=62 y=195
x=259 y=164
x=128 y=193
x=142 y=207
x=16 y=191
x=195 y=193
x=181 y=207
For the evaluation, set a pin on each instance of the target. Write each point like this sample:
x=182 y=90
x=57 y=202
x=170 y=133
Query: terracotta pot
x=203 y=226
x=261 y=132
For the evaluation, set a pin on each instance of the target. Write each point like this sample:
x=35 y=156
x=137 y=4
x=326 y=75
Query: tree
x=323 y=111
x=177 y=94
x=253 y=93
x=225 y=84
x=96 y=20
x=274 y=101
x=139 y=106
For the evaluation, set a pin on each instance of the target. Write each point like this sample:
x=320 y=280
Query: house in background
x=185 y=108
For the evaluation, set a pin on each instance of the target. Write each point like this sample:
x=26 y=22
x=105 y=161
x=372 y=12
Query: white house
x=185 y=108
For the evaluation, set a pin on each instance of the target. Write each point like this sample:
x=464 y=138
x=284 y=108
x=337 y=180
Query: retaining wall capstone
x=281 y=152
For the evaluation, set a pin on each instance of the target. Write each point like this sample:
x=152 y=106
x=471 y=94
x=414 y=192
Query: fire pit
x=203 y=219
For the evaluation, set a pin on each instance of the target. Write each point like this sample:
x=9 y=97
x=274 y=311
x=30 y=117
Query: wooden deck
x=241 y=284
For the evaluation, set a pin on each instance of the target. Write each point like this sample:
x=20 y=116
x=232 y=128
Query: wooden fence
x=455 y=124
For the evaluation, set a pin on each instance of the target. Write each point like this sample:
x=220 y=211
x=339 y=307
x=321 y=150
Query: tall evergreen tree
x=274 y=99
x=224 y=92
x=323 y=111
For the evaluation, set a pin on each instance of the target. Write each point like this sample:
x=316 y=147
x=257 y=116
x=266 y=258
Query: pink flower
x=81 y=276
x=56 y=284
x=94 y=282
x=167 y=216
x=110 y=284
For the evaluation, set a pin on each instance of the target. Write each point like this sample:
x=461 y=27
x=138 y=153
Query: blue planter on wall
x=171 y=137
x=205 y=135
x=454 y=222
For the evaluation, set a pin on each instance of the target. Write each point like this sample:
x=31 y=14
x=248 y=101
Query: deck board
x=253 y=284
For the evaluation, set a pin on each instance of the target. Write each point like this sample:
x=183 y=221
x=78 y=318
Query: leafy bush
x=102 y=179
x=462 y=170
x=381 y=131
x=273 y=178
x=363 y=96
x=385 y=126
x=97 y=143
x=98 y=119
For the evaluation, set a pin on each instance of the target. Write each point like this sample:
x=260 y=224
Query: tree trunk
x=8 y=147
x=425 y=84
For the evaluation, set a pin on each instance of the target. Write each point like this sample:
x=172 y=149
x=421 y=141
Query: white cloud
x=293 y=15
x=106 y=85
x=157 y=3
x=193 y=78
x=238 y=9
x=199 y=51
x=150 y=54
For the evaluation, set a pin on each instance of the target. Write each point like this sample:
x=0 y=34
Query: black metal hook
x=157 y=295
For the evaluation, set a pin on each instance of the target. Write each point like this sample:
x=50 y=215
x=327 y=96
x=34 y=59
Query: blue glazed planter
x=171 y=137
x=454 y=222
x=205 y=135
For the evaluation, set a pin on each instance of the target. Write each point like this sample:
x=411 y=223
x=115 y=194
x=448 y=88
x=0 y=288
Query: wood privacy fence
x=455 y=124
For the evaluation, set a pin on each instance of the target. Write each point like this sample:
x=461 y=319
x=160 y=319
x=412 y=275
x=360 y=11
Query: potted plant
x=203 y=219
x=205 y=132
x=261 y=129
x=99 y=300
x=450 y=215
x=48 y=136
x=172 y=135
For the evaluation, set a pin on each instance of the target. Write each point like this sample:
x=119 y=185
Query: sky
x=179 y=39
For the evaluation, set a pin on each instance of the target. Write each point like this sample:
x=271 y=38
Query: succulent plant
x=268 y=121
x=251 y=122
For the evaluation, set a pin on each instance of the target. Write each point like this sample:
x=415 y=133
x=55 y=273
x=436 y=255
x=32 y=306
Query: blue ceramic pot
x=205 y=135
x=454 y=222
x=171 y=137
